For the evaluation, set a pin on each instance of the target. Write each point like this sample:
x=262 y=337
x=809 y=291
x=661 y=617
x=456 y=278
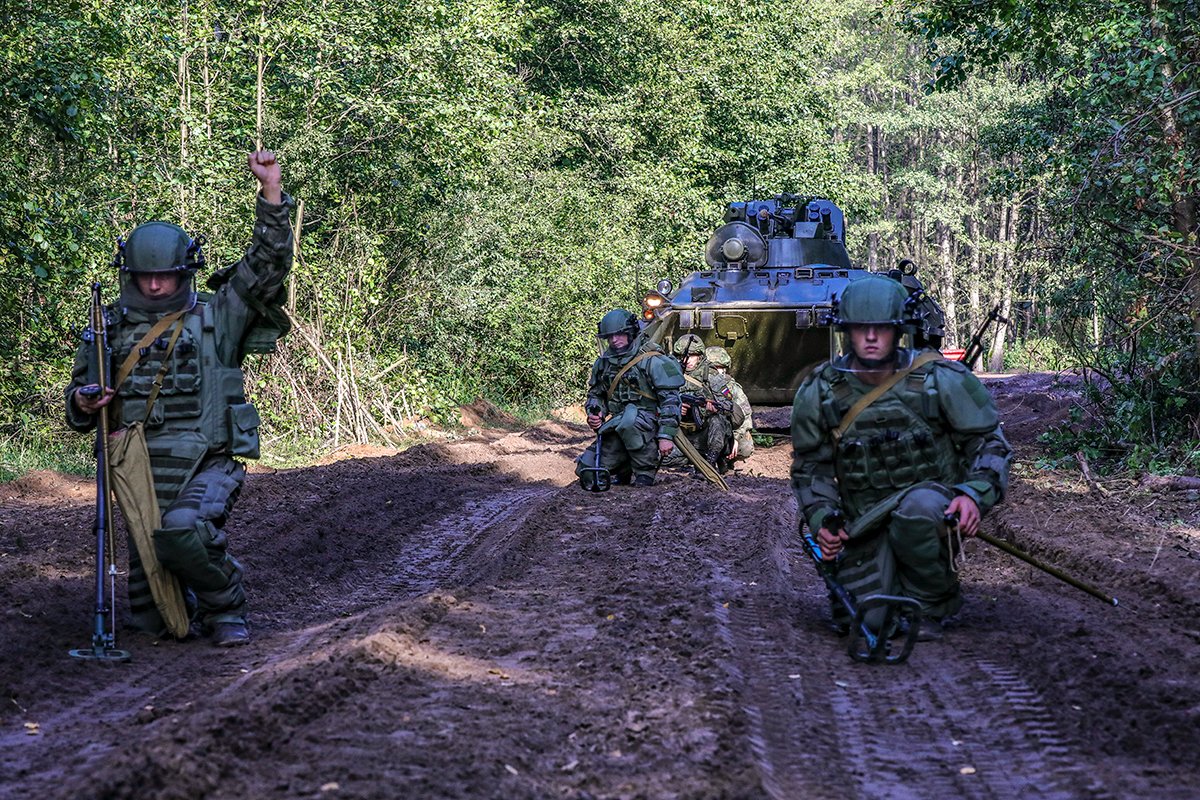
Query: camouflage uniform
x=934 y=435
x=713 y=435
x=719 y=356
x=641 y=409
x=200 y=423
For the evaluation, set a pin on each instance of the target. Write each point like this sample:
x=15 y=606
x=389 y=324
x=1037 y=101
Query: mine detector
x=774 y=269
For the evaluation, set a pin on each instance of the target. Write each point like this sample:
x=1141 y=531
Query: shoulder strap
x=870 y=397
x=162 y=371
x=135 y=355
x=621 y=373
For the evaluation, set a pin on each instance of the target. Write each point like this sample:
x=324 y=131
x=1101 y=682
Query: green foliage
x=1038 y=354
x=1114 y=149
x=482 y=180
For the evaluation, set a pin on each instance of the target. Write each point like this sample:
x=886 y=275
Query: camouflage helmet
x=718 y=356
x=159 y=247
x=873 y=300
x=688 y=345
x=618 y=321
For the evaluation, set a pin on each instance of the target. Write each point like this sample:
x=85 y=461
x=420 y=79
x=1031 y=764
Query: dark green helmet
x=618 y=321
x=688 y=345
x=873 y=300
x=718 y=356
x=159 y=247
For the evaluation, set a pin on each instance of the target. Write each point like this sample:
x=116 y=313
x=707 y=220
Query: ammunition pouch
x=244 y=422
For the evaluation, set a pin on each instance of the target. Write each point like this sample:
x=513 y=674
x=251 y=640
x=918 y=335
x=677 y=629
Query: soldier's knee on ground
x=196 y=555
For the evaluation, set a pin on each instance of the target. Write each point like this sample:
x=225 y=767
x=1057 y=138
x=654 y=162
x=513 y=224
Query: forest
x=476 y=182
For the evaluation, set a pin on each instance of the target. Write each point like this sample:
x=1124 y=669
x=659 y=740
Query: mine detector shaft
x=104 y=632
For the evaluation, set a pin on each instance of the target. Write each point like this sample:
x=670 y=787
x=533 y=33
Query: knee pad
x=187 y=553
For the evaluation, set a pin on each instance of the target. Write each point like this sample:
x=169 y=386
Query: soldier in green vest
x=894 y=439
x=636 y=386
x=709 y=413
x=181 y=354
x=743 y=442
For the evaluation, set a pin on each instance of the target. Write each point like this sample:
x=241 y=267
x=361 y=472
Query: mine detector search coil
x=104 y=634
x=866 y=645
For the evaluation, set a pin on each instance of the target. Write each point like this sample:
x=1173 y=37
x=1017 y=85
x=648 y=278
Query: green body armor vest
x=201 y=402
x=896 y=442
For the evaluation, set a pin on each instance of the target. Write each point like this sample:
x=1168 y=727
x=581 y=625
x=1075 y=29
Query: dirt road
x=461 y=621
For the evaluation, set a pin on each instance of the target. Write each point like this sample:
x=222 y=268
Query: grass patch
x=69 y=454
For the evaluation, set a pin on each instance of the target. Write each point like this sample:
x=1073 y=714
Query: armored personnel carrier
x=774 y=268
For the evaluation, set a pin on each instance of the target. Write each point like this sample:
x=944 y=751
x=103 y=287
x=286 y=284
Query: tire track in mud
x=959 y=727
x=438 y=552
x=945 y=724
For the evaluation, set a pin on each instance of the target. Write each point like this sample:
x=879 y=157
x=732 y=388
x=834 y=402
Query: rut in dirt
x=462 y=621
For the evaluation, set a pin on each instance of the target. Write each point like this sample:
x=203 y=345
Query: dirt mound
x=461 y=620
x=46 y=487
x=484 y=414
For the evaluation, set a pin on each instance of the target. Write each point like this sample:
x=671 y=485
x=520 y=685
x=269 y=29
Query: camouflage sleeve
x=975 y=427
x=245 y=290
x=666 y=379
x=718 y=387
x=76 y=419
x=743 y=402
x=813 y=477
x=596 y=399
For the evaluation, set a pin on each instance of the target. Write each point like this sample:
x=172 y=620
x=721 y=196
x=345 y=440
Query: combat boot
x=230 y=634
x=643 y=480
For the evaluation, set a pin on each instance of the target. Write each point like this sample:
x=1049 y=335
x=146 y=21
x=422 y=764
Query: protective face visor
x=870 y=347
x=612 y=348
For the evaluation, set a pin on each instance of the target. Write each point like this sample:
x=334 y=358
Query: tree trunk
x=1007 y=272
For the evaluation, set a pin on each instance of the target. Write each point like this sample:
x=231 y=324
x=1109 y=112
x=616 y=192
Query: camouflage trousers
x=621 y=461
x=909 y=558
x=713 y=440
x=193 y=545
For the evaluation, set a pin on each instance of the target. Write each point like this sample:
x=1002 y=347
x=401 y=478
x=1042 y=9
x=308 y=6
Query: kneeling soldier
x=636 y=385
x=181 y=383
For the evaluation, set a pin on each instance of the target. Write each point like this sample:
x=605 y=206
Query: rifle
x=951 y=521
x=104 y=633
x=975 y=346
x=865 y=644
x=696 y=404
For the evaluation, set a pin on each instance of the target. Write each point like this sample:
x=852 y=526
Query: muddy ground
x=461 y=621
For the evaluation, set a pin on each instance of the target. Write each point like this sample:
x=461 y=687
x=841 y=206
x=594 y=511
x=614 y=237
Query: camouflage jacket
x=739 y=398
x=652 y=384
x=201 y=406
x=711 y=385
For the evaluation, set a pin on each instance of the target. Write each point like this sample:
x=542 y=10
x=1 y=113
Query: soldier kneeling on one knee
x=709 y=414
x=632 y=404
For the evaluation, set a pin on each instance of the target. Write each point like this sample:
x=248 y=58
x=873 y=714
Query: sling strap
x=880 y=390
x=162 y=371
x=135 y=355
x=621 y=374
